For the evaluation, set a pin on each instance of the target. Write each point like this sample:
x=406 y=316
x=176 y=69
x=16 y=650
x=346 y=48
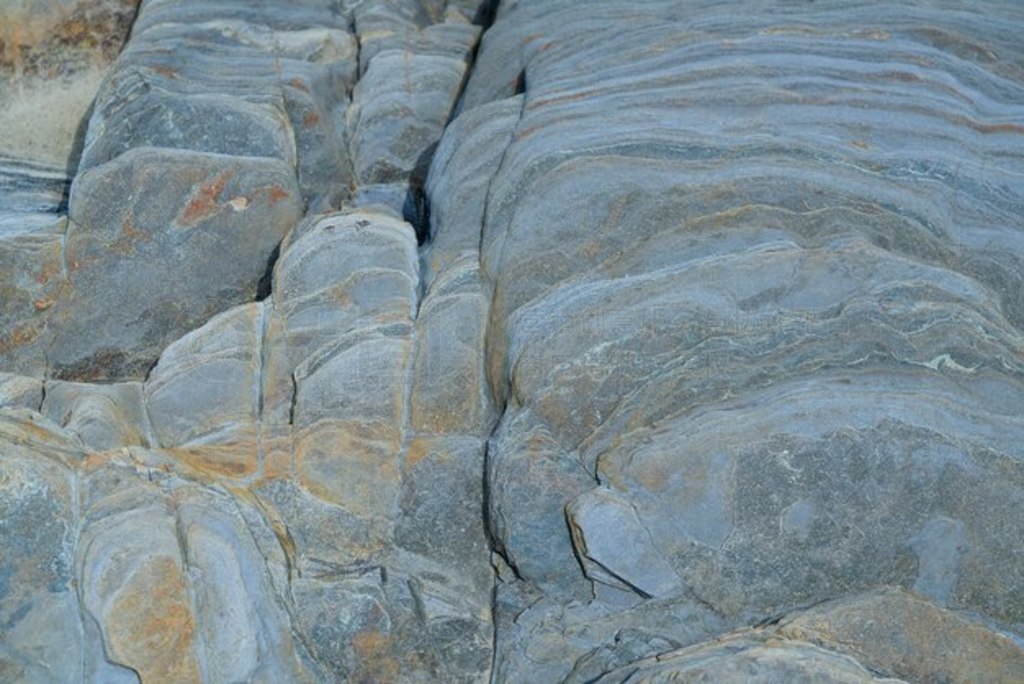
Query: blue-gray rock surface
x=529 y=341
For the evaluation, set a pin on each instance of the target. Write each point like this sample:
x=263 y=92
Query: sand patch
x=40 y=120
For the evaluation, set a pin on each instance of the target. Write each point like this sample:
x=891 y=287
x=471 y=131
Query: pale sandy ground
x=40 y=120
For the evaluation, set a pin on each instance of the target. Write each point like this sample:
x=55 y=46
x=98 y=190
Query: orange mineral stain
x=203 y=203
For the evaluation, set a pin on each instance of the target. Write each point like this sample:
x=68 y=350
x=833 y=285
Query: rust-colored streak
x=374 y=650
x=299 y=84
x=47 y=273
x=590 y=249
x=416 y=452
x=902 y=76
x=151 y=626
x=165 y=71
x=19 y=337
x=129 y=229
x=124 y=244
x=237 y=459
x=276 y=193
x=311 y=119
x=204 y=201
x=997 y=128
x=561 y=99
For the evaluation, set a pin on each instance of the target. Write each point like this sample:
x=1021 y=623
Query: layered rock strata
x=667 y=342
x=756 y=317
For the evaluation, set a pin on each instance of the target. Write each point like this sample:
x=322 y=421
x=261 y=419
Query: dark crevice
x=499 y=396
x=131 y=26
x=151 y=368
x=494 y=630
x=520 y=83
x=350 y=19
x=416 y=212
x=416 y=209
x=486 y=13
x=417 y=203
x=293 y=404
x=264 y=287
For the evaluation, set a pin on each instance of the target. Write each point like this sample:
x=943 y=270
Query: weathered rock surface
x=746 y=658
x=755 y=313
x=663 y=342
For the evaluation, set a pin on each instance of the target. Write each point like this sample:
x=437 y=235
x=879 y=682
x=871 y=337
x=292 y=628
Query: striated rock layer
x=640 y=341
x=756 y=318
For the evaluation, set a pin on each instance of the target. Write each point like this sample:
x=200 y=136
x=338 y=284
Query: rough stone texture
x=320 y=533
x=412 y=67
x=220 y=124
x=755 y=315
x=198 y=208
x=31 y=262
x=891 y=633
x=123 y=562
x=664 y=342
x=901 y=634
x=748 y=659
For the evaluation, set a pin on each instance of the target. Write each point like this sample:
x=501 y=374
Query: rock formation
x=531 y=341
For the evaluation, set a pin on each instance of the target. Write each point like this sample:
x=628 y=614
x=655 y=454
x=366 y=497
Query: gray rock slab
x=337 y=273
x=139 y=561
x=542 y=637
x=31 y=279
x=206 y=386
x=182 y=218
x=530 y=480
x=449 y=394
x=615 y=548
